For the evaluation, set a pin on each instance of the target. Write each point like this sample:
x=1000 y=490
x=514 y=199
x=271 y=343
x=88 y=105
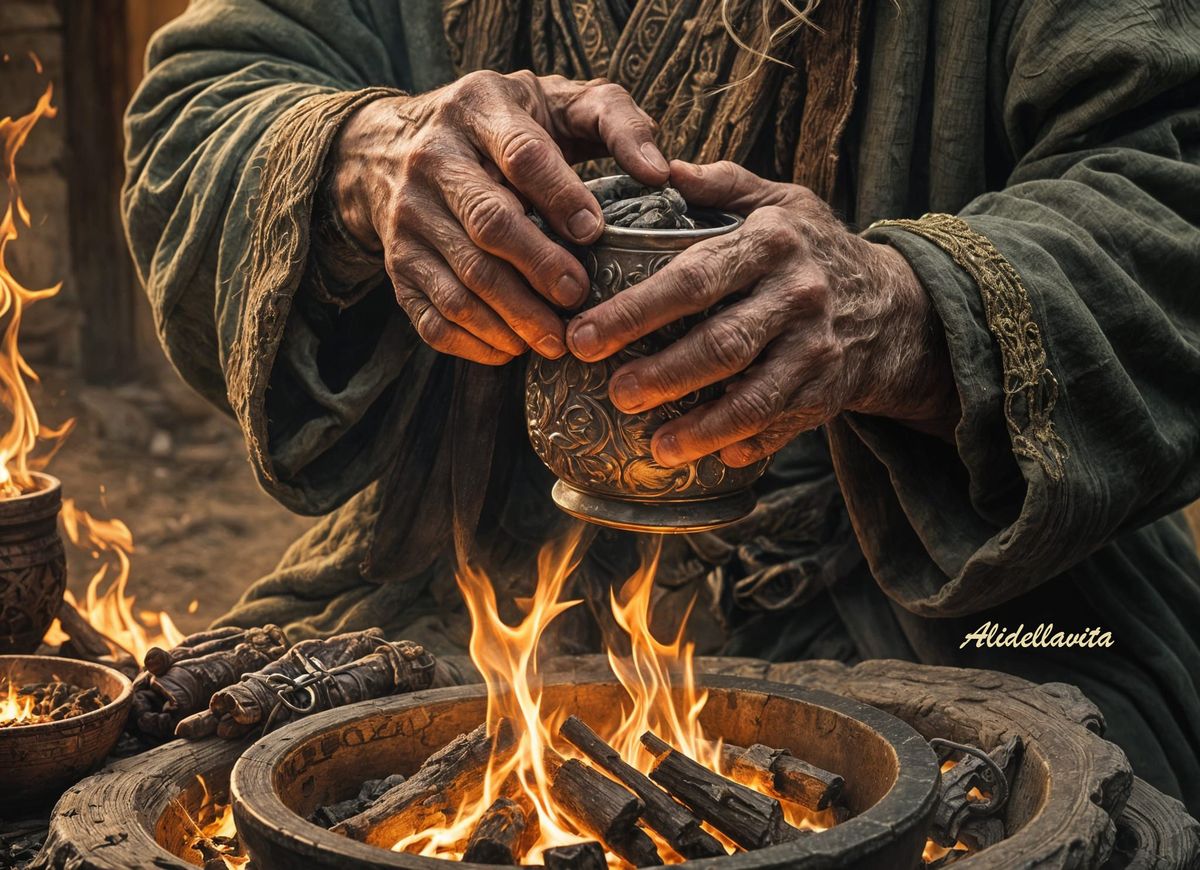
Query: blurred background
x=145 y=449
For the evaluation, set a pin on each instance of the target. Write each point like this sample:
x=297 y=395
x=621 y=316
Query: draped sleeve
x=227 y=139
x=1069 y=305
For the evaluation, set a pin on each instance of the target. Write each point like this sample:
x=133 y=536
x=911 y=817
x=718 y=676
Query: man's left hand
x=818 y=321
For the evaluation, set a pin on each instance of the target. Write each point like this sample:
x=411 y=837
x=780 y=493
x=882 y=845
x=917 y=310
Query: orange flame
x=25 y=429
x=658 y=678
x=15 y=708
x=218 y=824
x=108 y=608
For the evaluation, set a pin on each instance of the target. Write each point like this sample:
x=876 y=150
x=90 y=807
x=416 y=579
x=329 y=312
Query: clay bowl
x=38 y=761
x=891 y=773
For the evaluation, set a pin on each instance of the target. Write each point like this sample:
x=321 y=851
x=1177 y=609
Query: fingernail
x=626 y=393
x=586 y=338
x=550 y=346
x=583 y=224
x=668 y=450
x=568 y=291
x=654 y=157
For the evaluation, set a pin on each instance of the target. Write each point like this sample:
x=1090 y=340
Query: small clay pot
x=600 y=455
x=38 y=761
x=33 y=567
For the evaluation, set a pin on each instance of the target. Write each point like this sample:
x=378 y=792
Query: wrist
x=368 y=129
x=911 y=379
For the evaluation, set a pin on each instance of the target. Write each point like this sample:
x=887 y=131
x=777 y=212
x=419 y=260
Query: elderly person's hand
x=438 y=184
x=817 y=321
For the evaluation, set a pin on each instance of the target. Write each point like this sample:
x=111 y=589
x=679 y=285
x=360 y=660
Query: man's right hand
x=438 y=184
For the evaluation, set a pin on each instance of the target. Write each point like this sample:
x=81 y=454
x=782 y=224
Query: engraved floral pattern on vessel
x=584 y=440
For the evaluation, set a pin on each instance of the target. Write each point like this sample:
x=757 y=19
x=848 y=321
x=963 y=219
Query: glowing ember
x=15 y=708
x=215 y=838
x=105 y=604
x=24 y=429
x=658 y=677
x=53 y=701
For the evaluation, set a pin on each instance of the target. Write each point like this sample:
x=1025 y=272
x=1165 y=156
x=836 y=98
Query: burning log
x=661 y=812
x=88 y=643
x=371 y=791
x=501 y=836
x=750 y=819
x=780 y=774
x=429 y=795
x=313 y=675
x=605 y=810
x=577 y=856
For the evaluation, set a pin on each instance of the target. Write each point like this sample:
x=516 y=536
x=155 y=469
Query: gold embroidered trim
x=1030 y=388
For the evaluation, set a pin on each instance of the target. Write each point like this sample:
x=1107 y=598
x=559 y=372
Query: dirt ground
x=175 y=471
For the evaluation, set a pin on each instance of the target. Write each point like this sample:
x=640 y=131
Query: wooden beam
x=96 y=89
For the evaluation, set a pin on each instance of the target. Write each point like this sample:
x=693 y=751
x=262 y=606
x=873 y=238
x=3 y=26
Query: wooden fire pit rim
x=41 y=730
x=906 y=804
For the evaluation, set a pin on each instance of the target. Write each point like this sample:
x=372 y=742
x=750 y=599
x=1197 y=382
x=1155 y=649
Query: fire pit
x=38 y=761
x=890 y=773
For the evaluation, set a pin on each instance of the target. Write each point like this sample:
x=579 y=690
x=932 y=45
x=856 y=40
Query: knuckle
x=751 y=408
x=424 y=156
x=432 y=328
x=474 y=269
x=524 y=153
x=729 y=344
x=479 y=83
x=489 y=219
x=626 y=316
x=455 y=305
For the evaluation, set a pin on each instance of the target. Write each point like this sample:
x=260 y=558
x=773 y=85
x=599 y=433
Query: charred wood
x=158 y=660
x=661 y=812
x=370 y=791
x=313 y=675
x=780 y=774
x=750 y=819
x=578 y=856
x=500 y=835
x=604 y=809
x=188 y=686
x=431 y=794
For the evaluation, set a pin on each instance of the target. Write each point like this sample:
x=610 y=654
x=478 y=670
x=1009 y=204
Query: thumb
x=724 y=185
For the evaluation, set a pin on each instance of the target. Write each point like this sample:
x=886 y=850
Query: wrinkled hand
x=435 y=182
x=819 y=321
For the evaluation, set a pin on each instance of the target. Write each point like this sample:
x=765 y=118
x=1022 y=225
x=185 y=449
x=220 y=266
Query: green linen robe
x=1064 y=135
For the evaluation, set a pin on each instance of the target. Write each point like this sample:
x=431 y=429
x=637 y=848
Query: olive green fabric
x=1066 y=134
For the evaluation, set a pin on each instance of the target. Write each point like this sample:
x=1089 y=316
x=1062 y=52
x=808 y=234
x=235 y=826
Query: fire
x=216 y=834
x=107 y=607
x=658 y=677
x=14 y=707
x=25 y=429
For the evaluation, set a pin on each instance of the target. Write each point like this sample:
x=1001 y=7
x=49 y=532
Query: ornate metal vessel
x=600 y=455
x=33 y=571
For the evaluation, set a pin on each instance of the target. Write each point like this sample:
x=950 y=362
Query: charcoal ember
x=20 y=843
x=664 y=210
x=371 y=791
x=53 y=701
